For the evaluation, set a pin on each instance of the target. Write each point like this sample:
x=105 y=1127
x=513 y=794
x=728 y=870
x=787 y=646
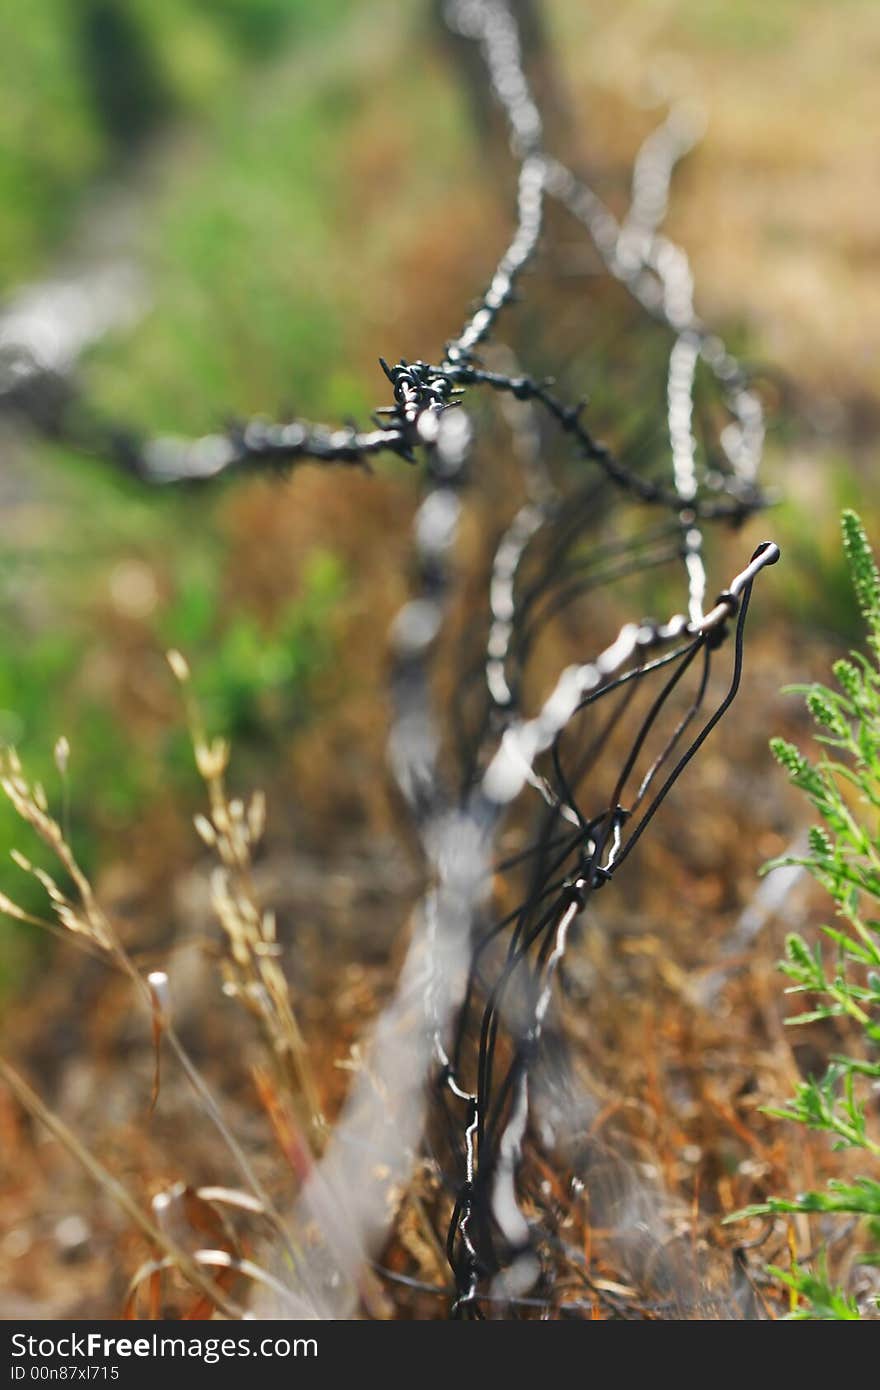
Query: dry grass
x=250 y=975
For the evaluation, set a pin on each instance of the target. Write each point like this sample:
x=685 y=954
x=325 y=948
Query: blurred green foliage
x=253 y=680
x=82 y=79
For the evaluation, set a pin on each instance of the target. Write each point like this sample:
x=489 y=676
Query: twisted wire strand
x=501 y=1103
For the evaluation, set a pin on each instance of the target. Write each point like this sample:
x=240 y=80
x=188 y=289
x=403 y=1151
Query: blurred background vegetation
x=299 y=184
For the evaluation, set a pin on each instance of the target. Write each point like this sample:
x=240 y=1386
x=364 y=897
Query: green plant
x=843 y=854
x=77 y=81
x=254 y=678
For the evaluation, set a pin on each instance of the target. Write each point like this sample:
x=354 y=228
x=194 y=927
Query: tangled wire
x=489 y=761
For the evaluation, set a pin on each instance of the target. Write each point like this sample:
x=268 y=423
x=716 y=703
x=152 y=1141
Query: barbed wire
x=567 y=868
x=483 y=1033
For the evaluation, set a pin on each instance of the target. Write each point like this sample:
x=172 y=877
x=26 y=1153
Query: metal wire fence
x=581 y=770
